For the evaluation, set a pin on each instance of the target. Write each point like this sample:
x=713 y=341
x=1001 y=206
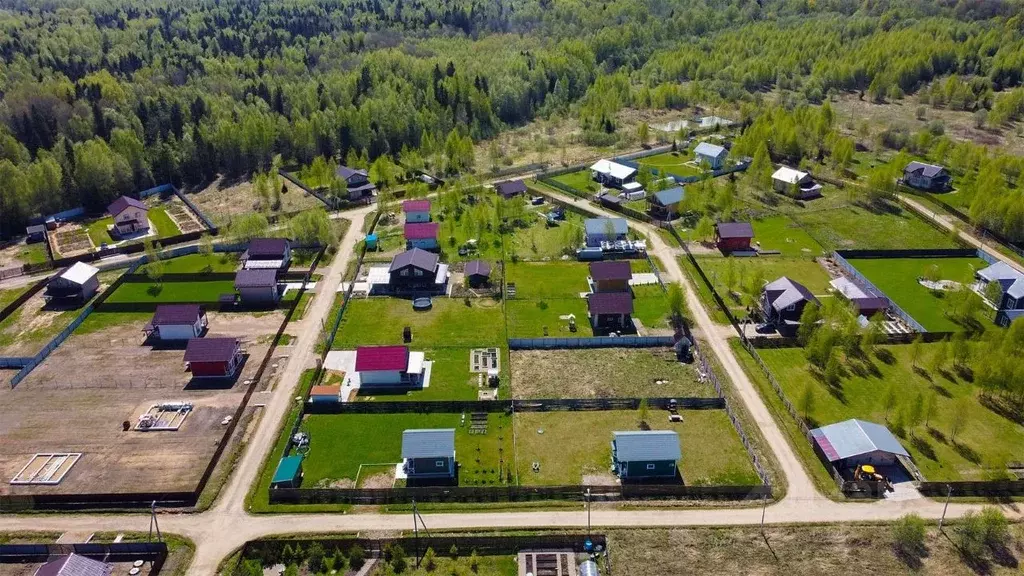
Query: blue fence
x=15 y=361
x=161 y=189
x=596 y=342
x=871 y=286
x=65 y=215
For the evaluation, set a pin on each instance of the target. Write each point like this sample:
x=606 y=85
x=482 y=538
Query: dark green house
x=645 y=454
x=288 y=473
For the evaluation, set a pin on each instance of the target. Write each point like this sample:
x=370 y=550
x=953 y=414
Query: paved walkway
x=227 y=525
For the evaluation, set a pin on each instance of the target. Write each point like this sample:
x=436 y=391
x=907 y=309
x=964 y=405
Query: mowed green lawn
x=450 y=379
x=783 y=234
x=172 y=292
x=528 y=318
x=855 y=227
x=198 y=263
x=650 y=306
x=449 y=323
x=897 y=278
x=987 y=440
x=670 y=164
x=340 y=443
x=804 y=270
x=571 y=445
x=548 y=280
x=580 y=180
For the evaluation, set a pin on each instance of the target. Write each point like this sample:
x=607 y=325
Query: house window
x=791 y=307
x=404 y=272
x=650 y=466
x=418 y=272
x=1011 y=303
x=439 y=464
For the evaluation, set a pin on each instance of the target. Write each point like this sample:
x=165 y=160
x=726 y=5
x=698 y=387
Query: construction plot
x=168 y=416
x=46 y=468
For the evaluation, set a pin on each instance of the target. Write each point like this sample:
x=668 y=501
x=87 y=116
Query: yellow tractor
x=867 y=472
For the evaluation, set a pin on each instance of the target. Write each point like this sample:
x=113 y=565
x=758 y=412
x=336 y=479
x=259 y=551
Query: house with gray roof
x=640 y=455
x=429 y=454
x=783 y=302
x=713 y=154
x=605 y=230
x=854 y=442
x=257 y=286
x=664 y=205
x=418 y=269
x=74 y=285
x=927 y=177
x=74 y=565
x=1011 y=282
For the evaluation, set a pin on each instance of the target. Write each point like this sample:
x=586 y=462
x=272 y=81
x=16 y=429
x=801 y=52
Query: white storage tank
x=589 y=568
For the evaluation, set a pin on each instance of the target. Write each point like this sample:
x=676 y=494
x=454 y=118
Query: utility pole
x=764 y=508
x=588 y=514
x=949 y=493
x=416 y=532
x=154 y=523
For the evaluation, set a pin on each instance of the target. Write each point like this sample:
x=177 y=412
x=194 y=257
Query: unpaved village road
x=226 y=526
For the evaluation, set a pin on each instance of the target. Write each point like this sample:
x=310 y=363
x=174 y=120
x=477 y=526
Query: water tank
x=589 y=568
x=371 y=241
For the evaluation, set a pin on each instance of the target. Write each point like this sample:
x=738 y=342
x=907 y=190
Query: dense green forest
x=100 y=98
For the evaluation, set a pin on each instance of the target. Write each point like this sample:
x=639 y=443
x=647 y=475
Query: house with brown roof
x=177 y=322
x=610 y=311
x=213 y=357
x=610 y=276
x=733 y=236
x=130 y=216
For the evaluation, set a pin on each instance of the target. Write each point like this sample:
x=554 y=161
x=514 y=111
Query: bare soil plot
x=70 y=240
x=77 y=400
x=183 y=218
x=33 y=324
x=224 y=199
x=604 y=373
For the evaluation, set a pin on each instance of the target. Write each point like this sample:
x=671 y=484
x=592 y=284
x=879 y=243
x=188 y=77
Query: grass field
x=542 y=242
x=165 y=226
x=897 y=278
x=703 y=292
x=11 y=294
x=671 y=163
x=987 y=441
x=450 y=323
x=528 y=318
x=572 y=445
x=340 y=443
x=650 y=306
x=548 y=280
x=803 y=270
x=197 y=263
x=172 y=292
x=783 y=234
x=473 y=223
x=853 y=226
x=604 y=373
x=98 y=231
x=450 y=379
x=580 y=180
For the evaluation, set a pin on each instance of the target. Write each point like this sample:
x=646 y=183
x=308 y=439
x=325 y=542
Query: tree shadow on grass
x=885 y=356
x=937 y=435
x=965 y=373
x=1004 y=556
x=1004 y=409
x=911 y=557
x=154 y=290
x=922 y=373
x=941 y=390
x=967 y=453
x=923 y=447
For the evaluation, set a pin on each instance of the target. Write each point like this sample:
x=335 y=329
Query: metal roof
x=784 y=292
x=416 y=206
x=670 y=196
x=256 y=278
x=478 y=268
x=510 y=188
x=596 y=226
x=267 y=248
x=611 y=270
x=610 y=303
x=374 y=358
x=287 y=469
x=789 y=175
x=122 y=204
x=613 y=169
x=428 y=443
x=735 y=230
x=345 y=172
x=927 y=170
x=74 y=565
x=709 y=149
x=211 y=349
x=79 y=273
x=999 y=271
x=855 y=437
x=417 y=258
x=649 y=445
x=1016 y=290
x=421 y=230
x=176 y=314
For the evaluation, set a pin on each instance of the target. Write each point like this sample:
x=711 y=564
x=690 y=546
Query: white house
x=130 y=216
x=389 y=366
x=612 y=173
x=795 y=183
x=713 y=154
x=177 y=322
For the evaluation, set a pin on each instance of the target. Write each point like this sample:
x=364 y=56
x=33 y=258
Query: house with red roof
x=610 y=311
x=389 y=366
x=416 y=210
x=213 y=357
x=130 y=216
x=422 y=235
x=610 y=276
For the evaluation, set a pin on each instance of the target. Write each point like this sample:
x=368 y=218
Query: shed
x=867 y=302
x=213 y=357
x=288 y=473
x=510 y=188
x=733 y=236
x=74 y=565
x=35 y=233
x=612 y=173
x=421 y=235
x=713 y=154
x=429 y=453
x=850 y=443
x=477 y=272
x=611 y=275
x=664 y=204
x=795 y=183
x=267 y=253
x=257 y=286
x=325 y=394
x=416 y=210
x=177 y=322
x=645 y=454
x=605 y=230
x=74 y=285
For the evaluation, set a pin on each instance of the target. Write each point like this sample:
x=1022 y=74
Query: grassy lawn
x=528 y=318
x=580 y=180
x=10 y=295
x=897 y=278
x=732 y=274
x=543 y=242
x=853 y=226
x=101 y=320
x=672 y=163
x=341 y=443
x=981 y=450
x=98 y=231
x=165 y=226
x=196 y=263
x=172 y=292
x=604 y=373
x=33 y=253
x=571 y=445
x=650 y=306
x=486 y=566
x=783 y=234
x=450 y=379
x=450 y=323
x=548 y=280
x=703 y=292
x=475 y=222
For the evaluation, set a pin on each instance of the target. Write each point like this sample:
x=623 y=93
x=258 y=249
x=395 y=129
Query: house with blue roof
x=713 y=154
x=664 y=205
x=639 y=455
x=429 y=453
x=855 y=442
